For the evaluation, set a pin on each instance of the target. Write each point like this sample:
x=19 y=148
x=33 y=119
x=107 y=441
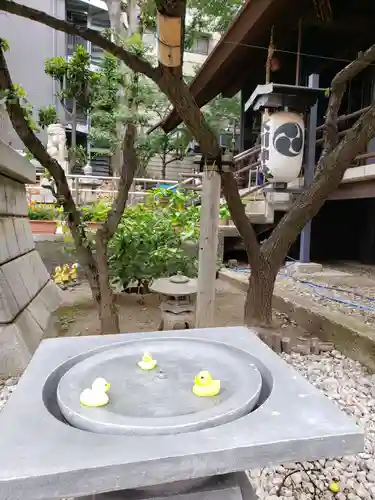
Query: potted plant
x=162 y=196
x=42 y=218
x=95 y=214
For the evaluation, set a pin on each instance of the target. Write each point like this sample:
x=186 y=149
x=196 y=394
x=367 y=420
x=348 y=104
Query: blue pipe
x=326 y=287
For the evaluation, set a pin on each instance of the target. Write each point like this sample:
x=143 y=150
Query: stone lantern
x=178 y=295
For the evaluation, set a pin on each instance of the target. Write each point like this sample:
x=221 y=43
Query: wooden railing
x=87 y=188
x=252 y=163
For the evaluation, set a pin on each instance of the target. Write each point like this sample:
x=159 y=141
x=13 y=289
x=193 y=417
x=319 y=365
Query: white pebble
x=346 y=382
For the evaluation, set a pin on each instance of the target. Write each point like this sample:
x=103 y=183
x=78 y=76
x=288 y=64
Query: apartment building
x=32 y=43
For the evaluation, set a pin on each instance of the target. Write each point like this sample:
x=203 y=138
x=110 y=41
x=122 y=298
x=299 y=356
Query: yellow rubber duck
x=73 y=272
x=147 y=363
x=205 y=386
x=57 y=278
x=65 y=274
x=97 y=395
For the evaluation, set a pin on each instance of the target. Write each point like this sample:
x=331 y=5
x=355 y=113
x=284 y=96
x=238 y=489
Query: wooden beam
x=354 y=190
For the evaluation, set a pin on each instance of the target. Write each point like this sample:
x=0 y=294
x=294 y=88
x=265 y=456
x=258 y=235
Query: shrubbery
x=149 y=241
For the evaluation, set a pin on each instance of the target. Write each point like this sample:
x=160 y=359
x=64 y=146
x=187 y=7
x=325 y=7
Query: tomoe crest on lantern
x=282 y=144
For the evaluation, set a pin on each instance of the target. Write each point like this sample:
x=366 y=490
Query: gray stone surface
x=51 y=295
x=14 y=274
x=16 y=238
x=15 y=166
x=29 y=330
x=41 y=307
x=41 y=457
x=298 y=268
x=229 y=487
x=174 y=286
x=8 y=303
x=14 y=353
x=9 y=247
x=22 y=273
x=23 y=234
x=15 y=197
x=20 y=281
x=3 y=200
x=161 y=401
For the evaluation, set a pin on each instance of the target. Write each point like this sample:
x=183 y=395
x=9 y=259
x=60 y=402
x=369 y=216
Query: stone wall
x=27 y=294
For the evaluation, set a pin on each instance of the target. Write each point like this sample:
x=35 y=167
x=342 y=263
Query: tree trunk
x=163 y=167
x=73 y=144
x=108 y=314
x=258 y=304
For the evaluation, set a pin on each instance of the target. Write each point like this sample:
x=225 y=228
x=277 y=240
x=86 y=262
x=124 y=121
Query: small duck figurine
x=57 y=278
x=73 y=272
x=65 y=274
x=147 y=363
x=97 y=395
x=205 y=386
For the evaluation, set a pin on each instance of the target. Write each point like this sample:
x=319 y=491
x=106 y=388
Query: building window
x=200 y=46
x=79 y=19
x=99 y=23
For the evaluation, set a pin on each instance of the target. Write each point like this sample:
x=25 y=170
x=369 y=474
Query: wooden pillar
x=208 y=244
x=242 y=122
x=305 y=242
x=371 y=145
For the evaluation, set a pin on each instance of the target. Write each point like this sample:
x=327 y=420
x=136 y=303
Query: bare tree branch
x=37 y=149
x=134 y=62
x=169 y=81
x=337 y=91
x=175 y=158
x=129 y=167
x=350 y=71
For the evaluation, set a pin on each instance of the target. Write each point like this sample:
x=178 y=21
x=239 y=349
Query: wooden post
x=305 y=240
x=208 y=243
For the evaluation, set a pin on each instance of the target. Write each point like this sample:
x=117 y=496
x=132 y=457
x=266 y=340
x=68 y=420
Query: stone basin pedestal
x=155 y=439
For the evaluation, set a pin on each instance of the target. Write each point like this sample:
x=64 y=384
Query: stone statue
x=56 y=145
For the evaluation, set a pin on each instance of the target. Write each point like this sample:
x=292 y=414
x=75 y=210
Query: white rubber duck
x=97 y=395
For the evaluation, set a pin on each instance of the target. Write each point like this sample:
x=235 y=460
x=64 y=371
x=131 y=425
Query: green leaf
x=148 y=243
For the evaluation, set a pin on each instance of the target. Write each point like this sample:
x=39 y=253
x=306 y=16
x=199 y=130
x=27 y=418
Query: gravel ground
x=7 y=386
x=347 y=384
x=362 y=295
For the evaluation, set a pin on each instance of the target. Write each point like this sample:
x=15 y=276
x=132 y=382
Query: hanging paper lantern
x=282 y=143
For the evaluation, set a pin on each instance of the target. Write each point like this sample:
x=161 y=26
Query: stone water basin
x=161 y=401
x=154 y=432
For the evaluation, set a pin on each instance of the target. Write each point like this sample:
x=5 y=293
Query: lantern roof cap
x=277 y=95
x=177 y=285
